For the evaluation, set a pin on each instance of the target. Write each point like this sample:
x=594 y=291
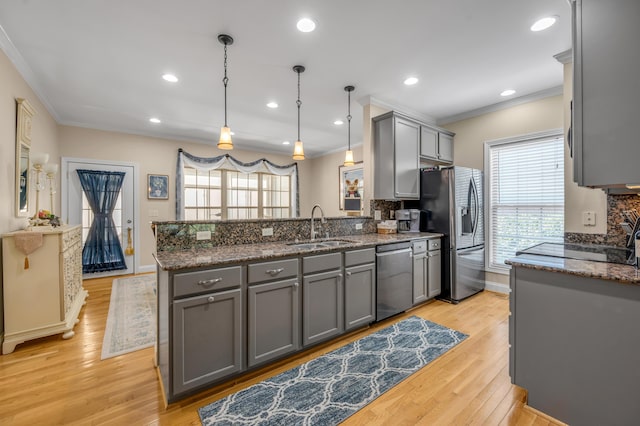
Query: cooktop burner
x=590 y=252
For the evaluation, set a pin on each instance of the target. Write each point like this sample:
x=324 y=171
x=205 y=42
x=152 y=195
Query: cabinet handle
x=296 y=285
x=274 y=271
x=348 y=274
x=208 y=282
x=211 y=299
x=339 y=278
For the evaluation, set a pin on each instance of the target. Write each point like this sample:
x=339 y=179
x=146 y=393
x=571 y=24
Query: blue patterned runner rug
x=328 y=389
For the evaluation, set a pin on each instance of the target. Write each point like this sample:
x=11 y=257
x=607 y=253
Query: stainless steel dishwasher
x=394 y=292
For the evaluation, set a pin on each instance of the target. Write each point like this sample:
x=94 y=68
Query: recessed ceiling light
x=272 y=105
x=155 y=120
x=306 y=25
x=508 y=92
x=286 y=143
x=411 y=81
x=170 y=78
x=544 y=23
x=338 y=122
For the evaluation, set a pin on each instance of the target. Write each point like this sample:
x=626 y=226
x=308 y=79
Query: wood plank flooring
x=51 y=381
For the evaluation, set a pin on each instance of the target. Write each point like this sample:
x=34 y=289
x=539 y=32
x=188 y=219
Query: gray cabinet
x=435 y=146
x=606 y=92
x=273 y=320
x=427 y=270
x=273 y=305
x=396 y=152
x=322 y=298
x=207 y=339
x=359 y=288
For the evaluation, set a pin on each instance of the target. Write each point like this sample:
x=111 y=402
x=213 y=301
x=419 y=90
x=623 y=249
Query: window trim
x=529 y=137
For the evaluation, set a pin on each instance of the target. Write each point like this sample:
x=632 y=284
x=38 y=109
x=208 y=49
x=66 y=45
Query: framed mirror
x=25 y=114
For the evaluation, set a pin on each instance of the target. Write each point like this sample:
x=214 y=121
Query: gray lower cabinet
x=273 y=320
x=427 y=270
x=207 y=339
x=434 y=281
x=322 y=298
x=359 y=295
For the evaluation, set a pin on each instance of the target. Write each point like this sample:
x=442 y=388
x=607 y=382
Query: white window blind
x=526 y=196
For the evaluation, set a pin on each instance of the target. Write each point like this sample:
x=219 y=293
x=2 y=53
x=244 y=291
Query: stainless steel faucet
x=322 y=220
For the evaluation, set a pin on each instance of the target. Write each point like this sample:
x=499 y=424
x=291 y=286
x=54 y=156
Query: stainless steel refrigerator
x=451 y=203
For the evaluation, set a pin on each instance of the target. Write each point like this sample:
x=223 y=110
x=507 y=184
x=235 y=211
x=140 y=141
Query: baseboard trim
x=146 y=268
x=497 y=287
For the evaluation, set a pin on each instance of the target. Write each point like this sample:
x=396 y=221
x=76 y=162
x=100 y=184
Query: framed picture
x=351 y=181
x=158 y=187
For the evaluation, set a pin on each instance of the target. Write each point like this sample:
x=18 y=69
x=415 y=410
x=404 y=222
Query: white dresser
x=46 y=298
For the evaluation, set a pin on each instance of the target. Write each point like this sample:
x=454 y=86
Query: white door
x=76 y=210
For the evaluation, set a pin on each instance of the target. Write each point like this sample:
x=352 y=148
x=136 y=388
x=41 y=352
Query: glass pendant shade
x=298 y=151
x=225 y=138
x=348 y=158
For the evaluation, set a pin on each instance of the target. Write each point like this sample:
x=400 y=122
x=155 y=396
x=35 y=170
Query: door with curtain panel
x=100 y=196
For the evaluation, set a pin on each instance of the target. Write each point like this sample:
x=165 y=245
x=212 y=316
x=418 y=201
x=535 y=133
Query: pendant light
x=298 y=151
x=225 y=141
x=348 y=158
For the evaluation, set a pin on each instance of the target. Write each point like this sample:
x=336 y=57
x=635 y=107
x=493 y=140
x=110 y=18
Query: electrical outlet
x=267 y=232
x=392 y=214
x=358 y=226
x=377 y=215
x=589 y=218
x=203 y=235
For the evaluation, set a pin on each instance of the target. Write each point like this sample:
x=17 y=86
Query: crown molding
x=370 y=100
x=547 y=93
x=25 y=71
x=565 y=57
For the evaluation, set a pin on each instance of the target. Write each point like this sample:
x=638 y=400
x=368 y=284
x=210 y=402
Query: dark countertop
x=223 y=255
x=626 y=274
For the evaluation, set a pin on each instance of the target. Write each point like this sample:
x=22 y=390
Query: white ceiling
x=98 y=63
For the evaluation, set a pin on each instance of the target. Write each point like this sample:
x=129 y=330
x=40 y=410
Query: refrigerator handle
x=476 y=210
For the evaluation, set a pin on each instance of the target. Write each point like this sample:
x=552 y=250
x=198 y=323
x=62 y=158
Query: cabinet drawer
x=267 y=271
x=435 y=244
x=359 y=257
x=210 y=280
x=419 y=246
x=323 y=262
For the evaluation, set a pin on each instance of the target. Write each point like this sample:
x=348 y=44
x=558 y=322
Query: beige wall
x=325 y=187
x=157 y=156
x=44 y=139
x=578 y=199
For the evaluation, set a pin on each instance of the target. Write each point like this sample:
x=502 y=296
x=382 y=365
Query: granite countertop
x=625 y=274
x=222 y=255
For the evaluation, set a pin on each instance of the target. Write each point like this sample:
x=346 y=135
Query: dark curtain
x=102 y=250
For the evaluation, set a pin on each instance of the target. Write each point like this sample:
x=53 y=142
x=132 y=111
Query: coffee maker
x=408 y=220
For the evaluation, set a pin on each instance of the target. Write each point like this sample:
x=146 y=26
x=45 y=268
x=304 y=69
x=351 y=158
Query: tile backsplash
x=615 y=235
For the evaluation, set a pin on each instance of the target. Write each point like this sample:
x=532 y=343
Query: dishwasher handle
x=393 y=253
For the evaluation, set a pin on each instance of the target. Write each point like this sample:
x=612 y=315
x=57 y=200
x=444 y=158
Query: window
x=525 y=194
x=228 y=194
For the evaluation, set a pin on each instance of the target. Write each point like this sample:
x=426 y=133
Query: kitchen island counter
x=171 y=260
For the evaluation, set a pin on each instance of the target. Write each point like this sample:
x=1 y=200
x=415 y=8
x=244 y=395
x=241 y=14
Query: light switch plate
x=267 y=232
x=153 y=213
x=589 y=218
x=203 y=235
x=377 y=215
x=358 y=226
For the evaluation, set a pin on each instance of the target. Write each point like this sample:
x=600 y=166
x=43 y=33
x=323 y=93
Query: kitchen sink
x=320 y=244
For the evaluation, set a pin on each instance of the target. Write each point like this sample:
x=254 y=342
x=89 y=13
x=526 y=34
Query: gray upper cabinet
x=435 y=146
x=606 y=92
x=397 y=164
x=207 y=334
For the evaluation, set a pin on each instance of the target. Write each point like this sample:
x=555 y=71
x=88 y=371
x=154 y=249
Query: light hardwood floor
x=52 y=381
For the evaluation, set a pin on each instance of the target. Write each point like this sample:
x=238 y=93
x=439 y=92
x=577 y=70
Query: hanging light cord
x=349 y=120
x=225 y=80
x=298 y=102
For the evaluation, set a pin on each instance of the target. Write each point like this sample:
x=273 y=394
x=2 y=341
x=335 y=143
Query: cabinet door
x=445 y=148
x=434 y=273
x=420 y=277
x=359 y=295
x=428 y=143
x=274 y=320
x=207 y=336
x=407 y=162
x=322 y=307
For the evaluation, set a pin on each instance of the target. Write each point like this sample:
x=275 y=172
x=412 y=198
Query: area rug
x=328 y=389
x=131 y=322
